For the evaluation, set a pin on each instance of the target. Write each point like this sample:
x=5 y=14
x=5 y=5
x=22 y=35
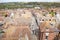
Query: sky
x=2 y=1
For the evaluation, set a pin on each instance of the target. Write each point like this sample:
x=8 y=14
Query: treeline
x=13 y=5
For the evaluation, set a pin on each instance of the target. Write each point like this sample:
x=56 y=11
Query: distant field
x=13 y=5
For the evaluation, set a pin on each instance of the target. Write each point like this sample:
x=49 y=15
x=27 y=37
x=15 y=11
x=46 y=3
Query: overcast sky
x=29 y=1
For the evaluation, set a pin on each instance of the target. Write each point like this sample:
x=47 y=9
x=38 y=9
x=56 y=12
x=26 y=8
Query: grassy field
x=13 y=5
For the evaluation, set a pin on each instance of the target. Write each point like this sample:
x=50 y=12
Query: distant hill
x=13 y=5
